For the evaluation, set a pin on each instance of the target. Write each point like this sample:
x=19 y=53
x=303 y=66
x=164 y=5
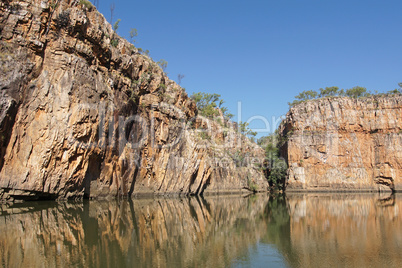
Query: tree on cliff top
x=396 y=90
x=355 y=92
x=209 y=105
x=330 y=92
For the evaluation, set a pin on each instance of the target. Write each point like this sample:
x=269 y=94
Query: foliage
x=86 y=4
x=133 y=34
x=307 y=95
x=355 y=92
x=146 y=52
x=397 y=90
x=244 y=129
x=163 y=64
x=330 y=92
x=238 y=157
x=203 y=135
x=114 y=42
x=251 y=185
x=277 y=175
x=209 y=105
x=275 y=166
x=116 y=25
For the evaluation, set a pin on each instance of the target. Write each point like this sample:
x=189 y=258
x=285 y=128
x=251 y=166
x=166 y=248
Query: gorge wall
x=344 y=144
x=84 y=114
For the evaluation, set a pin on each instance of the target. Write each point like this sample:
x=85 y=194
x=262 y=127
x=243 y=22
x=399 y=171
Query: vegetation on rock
x=210 y=105
x=275 y=167
x=86 y=4
x=355 y=92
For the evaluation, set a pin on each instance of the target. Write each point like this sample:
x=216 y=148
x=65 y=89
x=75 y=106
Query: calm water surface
x=305 y=230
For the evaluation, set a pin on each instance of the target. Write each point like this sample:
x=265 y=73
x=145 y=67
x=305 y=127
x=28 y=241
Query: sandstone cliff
x=84 y=114
x=344 y=144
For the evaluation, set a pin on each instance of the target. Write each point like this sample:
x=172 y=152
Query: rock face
x=84 y=114
x=344 y=144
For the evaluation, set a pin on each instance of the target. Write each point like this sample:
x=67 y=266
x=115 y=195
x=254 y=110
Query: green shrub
x=133 y=33
x=238 y=157
x=116 y=25
x=251 y=185
x=275 y=167
x=163 y=64
x=204 y=135
x=86 y=4
x=114 y=42
x=357 y=92
x=245 y=130
x=209 y=104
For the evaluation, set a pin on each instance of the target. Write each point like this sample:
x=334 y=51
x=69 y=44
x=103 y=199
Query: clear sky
x=263 y=53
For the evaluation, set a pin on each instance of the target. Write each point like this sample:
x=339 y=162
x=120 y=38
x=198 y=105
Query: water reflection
x=303 y=230
x=191 y=232
x=345 y=230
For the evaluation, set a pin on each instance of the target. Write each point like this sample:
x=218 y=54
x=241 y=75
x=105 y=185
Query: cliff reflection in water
x=345 y=230
x=302 y=230
x=141 y=233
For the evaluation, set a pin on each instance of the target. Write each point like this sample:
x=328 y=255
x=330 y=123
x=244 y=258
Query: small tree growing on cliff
x=245 y=130
x=209 y=104
x=397 y=90
x=133 y=34
x=115 y=40
x=116 y=25
x=163 y=64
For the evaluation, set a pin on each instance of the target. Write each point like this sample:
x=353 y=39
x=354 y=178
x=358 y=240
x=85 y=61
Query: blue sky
x=263 y=53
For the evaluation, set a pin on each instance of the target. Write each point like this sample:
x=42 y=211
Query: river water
x=299 y=230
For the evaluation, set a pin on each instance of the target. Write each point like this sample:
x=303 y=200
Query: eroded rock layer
x=344 y=144
x=83 y=113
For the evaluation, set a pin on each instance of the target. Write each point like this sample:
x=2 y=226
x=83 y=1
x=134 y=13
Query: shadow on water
x=300 y=230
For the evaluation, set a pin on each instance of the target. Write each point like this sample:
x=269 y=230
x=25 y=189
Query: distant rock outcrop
x=344 y=144
x=84 y=114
